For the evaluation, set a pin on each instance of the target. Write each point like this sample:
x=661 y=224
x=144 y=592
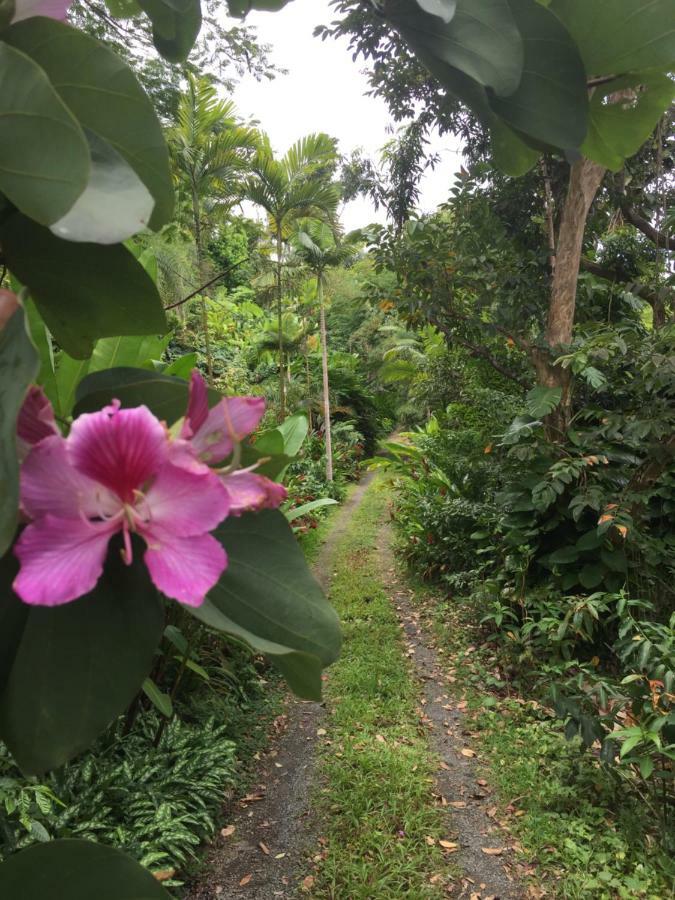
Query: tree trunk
x=282 y=379
x=324 y=371
x=585 y=179
x=196 y=214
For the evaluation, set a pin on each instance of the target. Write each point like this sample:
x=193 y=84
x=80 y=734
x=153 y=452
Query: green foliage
x=18 y=366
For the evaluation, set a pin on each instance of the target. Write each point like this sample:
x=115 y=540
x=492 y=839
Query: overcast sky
x=324 y=90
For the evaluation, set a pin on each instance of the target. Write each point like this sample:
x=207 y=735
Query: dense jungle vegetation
x=506 y=361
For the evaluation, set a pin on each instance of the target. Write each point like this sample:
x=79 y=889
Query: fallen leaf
x=245 y=880
x=164 y=874
x=308 y=883
x=449 y=845
x=458 y=804
x=279 y=855
x=265 y=849
x=380 y=738
x=228 y=831
x=320 y=732
x=430 y=841
x=492 y=851
x=466 y=751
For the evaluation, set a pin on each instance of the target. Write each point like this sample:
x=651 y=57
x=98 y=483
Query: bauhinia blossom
x=113 y=475
x=212 y=435
x=119 y=471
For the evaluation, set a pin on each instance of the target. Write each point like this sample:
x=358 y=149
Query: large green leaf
x=481 y=40
x=620 y=36
x=43 y=344
x=115 y=204
x=268 y=597
x=511 y=154
x=165 y=396
x=79 y=665
x=127 y=352
x=83 y=291
x=19 y=364
x=44 y=156
x=103 y=94
x=618 y=129
x=551 y=102
x=76 y=870
x=69 y=373
x=175 y=26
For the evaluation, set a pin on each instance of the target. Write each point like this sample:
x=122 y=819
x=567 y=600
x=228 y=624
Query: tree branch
x=202 y=287
x=666 y=242
x=479 y=353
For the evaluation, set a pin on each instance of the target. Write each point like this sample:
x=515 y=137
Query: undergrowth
x=585 y=837
x=376 y=771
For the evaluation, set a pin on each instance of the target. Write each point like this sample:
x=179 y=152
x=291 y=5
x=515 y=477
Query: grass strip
x=380 y=822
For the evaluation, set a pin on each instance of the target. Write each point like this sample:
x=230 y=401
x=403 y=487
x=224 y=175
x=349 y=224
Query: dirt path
x=488 y=874
x=264 y=857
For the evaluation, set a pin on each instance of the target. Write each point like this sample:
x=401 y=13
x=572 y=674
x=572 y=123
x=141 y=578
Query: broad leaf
x=542 y=400
x=83 y=291
x=551 y=102
x=19 y=364
x=69 y=373
x=481 y=40
x=128 y=352
x=618 y=129
x=182 y=366
x=44 y=156
x=294 y=430
x=299 y=511
x=165 y=396
x=76 y=870
x=103 y=94
x=268 y=597
x=115 y=204
x=159 y=699
x=444 y=9
x=511 y=154
x=79 y=665
x=175 y=26
x=620 y=36
x=43 y=344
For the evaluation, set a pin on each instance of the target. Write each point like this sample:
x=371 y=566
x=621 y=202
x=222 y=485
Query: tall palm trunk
x=196 y=214
x=282 y=379
x=324 y=371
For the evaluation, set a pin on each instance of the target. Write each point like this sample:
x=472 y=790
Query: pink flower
x=208 y=436
x=36 y=420
x=113 y=474
x=53 y=9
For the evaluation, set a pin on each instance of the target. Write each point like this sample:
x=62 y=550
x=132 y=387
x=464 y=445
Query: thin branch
x=213 y=280
x=657 y=237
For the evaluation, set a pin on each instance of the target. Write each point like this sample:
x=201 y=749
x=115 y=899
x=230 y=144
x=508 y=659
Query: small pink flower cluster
x=120 y=470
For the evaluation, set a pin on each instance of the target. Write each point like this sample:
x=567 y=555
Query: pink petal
x=120 y=448
x=54 y=9
x=198 y=406
x=229 y=421
x=36 y=417
x=50 y=485
x=183 y=455
x=61 y=559
x=183 y=503
x=249 y=492
x=185 y=569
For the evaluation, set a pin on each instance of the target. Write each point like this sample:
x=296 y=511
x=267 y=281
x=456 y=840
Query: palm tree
x=210 y=150
x=297 y=185
x=316 y=245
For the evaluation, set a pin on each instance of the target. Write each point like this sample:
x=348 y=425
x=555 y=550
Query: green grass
x=375 y=767
x=584 y=837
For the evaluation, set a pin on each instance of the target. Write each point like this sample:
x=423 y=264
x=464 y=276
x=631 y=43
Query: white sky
x=324 y=90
